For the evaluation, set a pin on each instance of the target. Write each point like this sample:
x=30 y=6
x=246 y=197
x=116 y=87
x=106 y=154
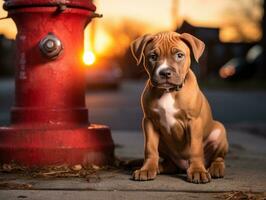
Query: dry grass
x=60 y=171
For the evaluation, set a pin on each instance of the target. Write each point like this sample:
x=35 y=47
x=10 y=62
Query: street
x=121 y=109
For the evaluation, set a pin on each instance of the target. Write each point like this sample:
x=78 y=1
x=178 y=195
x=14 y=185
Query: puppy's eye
x=153 y=57
x=179 y=56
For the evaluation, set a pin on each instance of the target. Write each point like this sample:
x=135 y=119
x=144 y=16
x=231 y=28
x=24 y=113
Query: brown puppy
x=178 y=126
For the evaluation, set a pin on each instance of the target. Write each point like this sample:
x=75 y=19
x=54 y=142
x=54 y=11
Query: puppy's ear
x=138 y=46
x=196 y=44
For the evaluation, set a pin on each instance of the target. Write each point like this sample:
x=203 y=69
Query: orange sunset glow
x=123 y=20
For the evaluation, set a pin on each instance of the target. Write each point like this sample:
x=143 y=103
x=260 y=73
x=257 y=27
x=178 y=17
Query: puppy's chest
x=166 y=111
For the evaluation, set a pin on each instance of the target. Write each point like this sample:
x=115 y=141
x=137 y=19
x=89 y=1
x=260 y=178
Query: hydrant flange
x=83 y=4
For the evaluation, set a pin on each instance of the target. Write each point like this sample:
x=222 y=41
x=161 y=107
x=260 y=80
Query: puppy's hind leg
x=216 y=147
x=167 y=167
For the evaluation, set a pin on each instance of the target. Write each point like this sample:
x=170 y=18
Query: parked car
x=104 y=74
x=242 y=67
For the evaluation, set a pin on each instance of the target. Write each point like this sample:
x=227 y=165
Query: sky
x=160 y=15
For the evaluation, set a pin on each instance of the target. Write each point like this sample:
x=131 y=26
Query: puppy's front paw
x=198 y=175
x=217 y=169
x=144 y=174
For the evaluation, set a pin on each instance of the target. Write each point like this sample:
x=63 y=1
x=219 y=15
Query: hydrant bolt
x=50 y=46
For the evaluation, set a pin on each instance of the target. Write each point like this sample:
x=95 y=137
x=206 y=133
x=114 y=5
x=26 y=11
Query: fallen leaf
x=76 y=167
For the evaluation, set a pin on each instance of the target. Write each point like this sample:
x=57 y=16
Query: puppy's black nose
x=166 y=73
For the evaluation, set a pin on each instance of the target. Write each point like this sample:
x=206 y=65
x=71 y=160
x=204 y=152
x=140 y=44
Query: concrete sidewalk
x=245 y=177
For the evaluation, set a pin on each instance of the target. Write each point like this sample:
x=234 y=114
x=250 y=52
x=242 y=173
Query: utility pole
x=174 y=12
x=262 y=67
x=92 y=31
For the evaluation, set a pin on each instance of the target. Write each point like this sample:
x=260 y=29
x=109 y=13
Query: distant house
x=204 y=33
x=216 y=53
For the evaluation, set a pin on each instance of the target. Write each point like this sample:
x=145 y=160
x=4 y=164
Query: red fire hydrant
x=49 y=121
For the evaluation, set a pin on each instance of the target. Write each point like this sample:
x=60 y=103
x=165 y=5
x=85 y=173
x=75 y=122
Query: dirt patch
x=15 y=186
x=240 y=195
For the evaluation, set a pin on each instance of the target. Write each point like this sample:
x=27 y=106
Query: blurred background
x=231 y=72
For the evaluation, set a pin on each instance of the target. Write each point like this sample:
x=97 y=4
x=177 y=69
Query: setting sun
x=89 y=58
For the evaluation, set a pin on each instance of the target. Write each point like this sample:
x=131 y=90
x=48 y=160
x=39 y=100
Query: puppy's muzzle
x=166 y=78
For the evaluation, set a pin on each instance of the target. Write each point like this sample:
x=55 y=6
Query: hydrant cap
x=82 y=4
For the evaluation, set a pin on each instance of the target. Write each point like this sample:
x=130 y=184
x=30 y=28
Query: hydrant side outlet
x=49 y=121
